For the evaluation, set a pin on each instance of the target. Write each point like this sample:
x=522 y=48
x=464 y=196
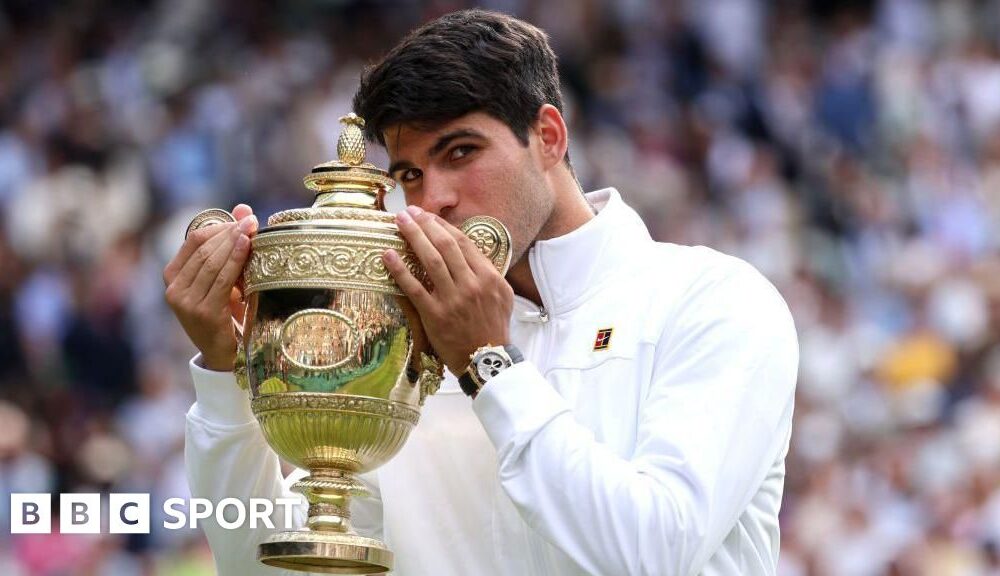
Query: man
x=645 y=429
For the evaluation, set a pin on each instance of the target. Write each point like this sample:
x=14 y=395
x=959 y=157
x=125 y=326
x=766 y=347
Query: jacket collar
x=569 y=268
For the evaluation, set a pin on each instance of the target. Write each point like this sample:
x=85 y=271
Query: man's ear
x=552 y=135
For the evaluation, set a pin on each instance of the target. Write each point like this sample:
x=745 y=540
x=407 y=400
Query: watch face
x=490 y=363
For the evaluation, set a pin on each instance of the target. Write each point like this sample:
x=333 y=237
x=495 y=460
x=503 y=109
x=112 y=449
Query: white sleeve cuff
x=219 y=399
x=516 y=404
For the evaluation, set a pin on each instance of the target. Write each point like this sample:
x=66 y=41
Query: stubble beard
x=532 y=209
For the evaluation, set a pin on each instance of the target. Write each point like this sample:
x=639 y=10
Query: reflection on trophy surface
x=335 y=365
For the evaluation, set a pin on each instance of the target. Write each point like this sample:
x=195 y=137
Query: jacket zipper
x=538 y=344
x=537 y=317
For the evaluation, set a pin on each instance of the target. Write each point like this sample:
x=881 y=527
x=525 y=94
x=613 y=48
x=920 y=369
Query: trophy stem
x=329 y=493
x=327 y=545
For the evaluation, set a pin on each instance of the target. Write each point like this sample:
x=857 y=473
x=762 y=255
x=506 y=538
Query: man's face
x=473 y=165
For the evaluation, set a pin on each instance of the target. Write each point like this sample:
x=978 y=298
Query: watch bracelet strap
x=515 y=354
x=468 y=384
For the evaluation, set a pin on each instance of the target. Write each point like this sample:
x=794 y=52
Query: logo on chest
x=603 y=339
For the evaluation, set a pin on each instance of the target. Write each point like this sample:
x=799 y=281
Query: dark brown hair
x=466 y=61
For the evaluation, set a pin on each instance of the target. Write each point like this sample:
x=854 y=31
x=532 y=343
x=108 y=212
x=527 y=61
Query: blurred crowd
x=849 y=150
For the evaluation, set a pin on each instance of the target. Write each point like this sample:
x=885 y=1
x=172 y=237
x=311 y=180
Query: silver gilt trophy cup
x=330 y=351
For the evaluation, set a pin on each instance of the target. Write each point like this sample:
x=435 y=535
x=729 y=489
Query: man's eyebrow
x=438 y=146
x=446 y=139
x=399 y=165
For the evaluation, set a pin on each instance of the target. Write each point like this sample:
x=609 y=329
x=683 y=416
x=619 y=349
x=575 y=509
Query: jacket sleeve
x=227 y=457
x=716 y=417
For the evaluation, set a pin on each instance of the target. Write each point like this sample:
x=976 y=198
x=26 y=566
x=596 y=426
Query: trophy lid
x=344 y=185
x=338 y=241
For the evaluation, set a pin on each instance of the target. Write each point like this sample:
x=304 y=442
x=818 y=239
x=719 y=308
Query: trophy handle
x=240 y=365
x=492 y=238
x=424 y=369
x=431 y=374
x=207 y=218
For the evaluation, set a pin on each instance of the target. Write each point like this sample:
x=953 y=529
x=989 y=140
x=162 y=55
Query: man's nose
x=439 y=198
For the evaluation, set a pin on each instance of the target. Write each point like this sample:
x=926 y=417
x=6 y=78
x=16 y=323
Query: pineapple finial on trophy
x=349 y=180
x=351 y=143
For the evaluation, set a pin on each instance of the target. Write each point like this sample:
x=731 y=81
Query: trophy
x=331 y=352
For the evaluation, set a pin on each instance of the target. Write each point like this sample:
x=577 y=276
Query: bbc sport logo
x=80 y=513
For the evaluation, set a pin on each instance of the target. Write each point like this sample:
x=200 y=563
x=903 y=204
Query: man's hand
x=201 y=286
x=470 y=304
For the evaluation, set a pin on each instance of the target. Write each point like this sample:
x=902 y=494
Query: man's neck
x=520 y=279
x=571 y=211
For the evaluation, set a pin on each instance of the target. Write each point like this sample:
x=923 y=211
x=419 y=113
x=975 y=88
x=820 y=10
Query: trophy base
x=325 y=553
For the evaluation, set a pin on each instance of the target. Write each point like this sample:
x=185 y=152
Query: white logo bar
x=80 y=513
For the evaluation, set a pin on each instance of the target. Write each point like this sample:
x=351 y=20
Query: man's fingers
x=210 y=270
x=225 y=280
x=194 y=263
x=448 y=247
x=194 y=240
x=429 y=256
x=246 y=219
x=248 y=225
x=410 y=286
x=241 y=211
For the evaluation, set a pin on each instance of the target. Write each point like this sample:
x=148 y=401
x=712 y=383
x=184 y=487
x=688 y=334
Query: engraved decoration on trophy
x=335 y=366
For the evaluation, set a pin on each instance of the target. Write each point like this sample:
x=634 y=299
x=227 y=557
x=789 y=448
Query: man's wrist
x=219 y=398
x=485 y=363
x=214 y=365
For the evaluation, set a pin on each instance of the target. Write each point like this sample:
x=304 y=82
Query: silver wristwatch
x=485 y=363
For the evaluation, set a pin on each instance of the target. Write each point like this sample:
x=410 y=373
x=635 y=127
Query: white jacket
x=663 y=454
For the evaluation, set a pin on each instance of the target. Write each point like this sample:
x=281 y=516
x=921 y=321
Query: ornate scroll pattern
x=346 y=259
x=325 y=259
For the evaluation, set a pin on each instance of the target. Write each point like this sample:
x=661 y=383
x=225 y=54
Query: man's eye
x=459 y=152
x=410 y=174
